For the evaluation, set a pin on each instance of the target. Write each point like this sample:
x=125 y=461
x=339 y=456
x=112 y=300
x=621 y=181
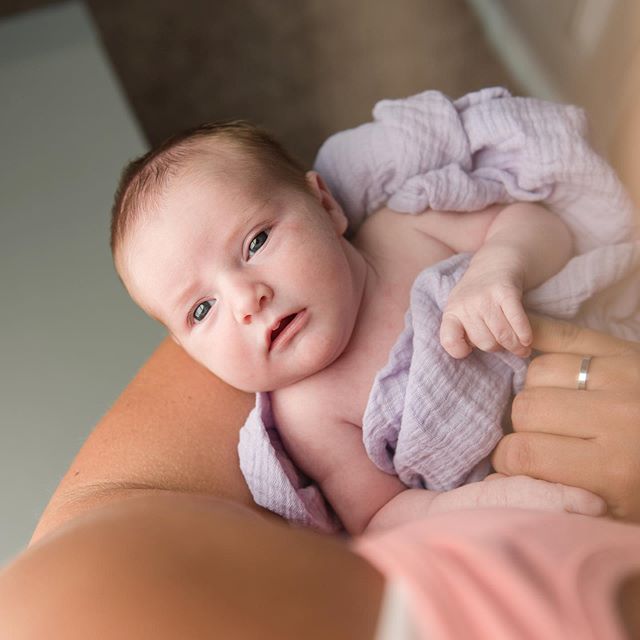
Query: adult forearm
x=174 y=428
x=189 y=567
x=66 y=506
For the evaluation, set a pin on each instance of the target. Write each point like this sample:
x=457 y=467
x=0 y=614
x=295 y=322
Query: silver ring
x=584 y=372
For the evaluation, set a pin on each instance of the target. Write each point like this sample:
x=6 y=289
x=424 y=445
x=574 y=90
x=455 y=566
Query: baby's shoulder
x=304 y=403
x=395 y=245
x=309 y=426
x=384 y=227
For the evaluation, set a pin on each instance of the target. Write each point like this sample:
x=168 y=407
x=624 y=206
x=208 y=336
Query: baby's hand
x=522 y=492
x=497 y=490
x=485 y=310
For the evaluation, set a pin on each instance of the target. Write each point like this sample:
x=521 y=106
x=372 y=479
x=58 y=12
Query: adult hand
x=586 y=438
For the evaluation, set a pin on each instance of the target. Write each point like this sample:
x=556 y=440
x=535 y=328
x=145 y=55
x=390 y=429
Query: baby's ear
x=322 y=192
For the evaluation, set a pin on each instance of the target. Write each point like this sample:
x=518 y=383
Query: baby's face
x=256 y=285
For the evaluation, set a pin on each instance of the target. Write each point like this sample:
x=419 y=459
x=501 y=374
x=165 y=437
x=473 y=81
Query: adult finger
x=565 y=412
x=613 y=373
x=558 y=336
x=549 y=457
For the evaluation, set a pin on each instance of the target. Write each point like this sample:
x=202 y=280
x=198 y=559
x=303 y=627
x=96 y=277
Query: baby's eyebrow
x=183 y=297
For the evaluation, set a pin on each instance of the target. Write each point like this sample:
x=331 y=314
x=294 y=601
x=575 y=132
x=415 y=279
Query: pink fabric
x=509 y=574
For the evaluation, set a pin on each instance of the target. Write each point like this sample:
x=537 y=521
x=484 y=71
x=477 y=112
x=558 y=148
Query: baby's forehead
x=209 y=195
x=212 y=175
x=219 y=170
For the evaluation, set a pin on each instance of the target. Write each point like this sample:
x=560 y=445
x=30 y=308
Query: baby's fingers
x=453 y=337
x=504 y=335
x=521 y=492
x=529 y=493
x=480 y=334
x=515 y=314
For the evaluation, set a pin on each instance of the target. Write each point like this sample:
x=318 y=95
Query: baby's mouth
x=281 y=327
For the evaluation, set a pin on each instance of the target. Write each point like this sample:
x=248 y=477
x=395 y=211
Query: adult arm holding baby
x=174 y=433
x=222 y=261
x=173 y=430
x=222 y=538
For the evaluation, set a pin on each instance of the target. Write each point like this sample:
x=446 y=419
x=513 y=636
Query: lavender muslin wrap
x=430 y=419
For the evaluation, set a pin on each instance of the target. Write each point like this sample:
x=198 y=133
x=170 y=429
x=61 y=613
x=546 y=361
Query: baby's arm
x=366 y=498
x=525 y=244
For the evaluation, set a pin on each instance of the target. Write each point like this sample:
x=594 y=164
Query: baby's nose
x=250 y=301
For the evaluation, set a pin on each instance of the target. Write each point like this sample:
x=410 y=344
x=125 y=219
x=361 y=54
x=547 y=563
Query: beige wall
x=625 y=144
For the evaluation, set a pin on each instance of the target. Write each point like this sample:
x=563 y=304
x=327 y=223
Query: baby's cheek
x=203 y=353
x=233 y=367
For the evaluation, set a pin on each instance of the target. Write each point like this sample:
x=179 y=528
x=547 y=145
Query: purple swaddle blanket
x=430 y=419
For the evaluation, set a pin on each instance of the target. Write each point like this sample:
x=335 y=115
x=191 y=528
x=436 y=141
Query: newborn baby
x=241 y=255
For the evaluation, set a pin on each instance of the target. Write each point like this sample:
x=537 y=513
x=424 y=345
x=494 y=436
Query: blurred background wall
x=87 y=86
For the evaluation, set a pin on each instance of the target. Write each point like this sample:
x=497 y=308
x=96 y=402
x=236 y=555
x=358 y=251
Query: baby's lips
x=274 y=326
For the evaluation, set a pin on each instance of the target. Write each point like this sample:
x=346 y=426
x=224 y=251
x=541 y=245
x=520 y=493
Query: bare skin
x=176 y=425
x=174 y=428
x=588 y=439
x=220 y=283
x=171 y=565
x=116 y=533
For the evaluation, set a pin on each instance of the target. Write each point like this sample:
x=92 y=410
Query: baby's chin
x=269 y=386
x=307 y=360
x=282 y=381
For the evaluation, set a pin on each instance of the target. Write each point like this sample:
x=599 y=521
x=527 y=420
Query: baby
x=241 y=255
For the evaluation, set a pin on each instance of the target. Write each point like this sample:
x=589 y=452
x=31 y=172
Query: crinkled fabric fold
x=274 y=480
x=430 y=152
x=430 y=419
x=433 y=420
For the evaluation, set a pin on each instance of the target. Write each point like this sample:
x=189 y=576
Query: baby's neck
x=366 y=277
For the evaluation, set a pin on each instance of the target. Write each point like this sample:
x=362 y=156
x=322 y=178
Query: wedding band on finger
x=584 y=372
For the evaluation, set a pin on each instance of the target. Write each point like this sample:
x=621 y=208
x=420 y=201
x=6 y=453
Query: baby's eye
x=258 y=241
x=202 y=309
